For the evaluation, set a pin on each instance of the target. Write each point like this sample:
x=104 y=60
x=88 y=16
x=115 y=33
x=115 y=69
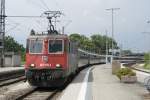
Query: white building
x=12 y=59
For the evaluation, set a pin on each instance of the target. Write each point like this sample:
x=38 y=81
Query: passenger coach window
x=35 y=46
x=55 y=46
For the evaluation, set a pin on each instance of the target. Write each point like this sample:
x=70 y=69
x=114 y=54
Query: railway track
x=47 y=94
x=40 y=94
x=143 y=76
x=11 y=75
x=134 y=68
x=137 y=69
x=6 y=85
x=12 y=81
x=23 y=91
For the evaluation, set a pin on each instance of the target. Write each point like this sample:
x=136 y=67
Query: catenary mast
x=2 y=31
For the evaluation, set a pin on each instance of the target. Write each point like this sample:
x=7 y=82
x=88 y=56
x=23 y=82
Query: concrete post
x=115 y=66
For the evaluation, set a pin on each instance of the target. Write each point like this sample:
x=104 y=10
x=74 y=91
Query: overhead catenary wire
x=27 y=16
x=44 y=4
x=38 y=26
x=20 y=26
x=14 y=26
x=37 y=4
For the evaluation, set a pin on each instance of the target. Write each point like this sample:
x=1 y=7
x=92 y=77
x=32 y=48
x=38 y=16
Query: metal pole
x=148 y=34
x=112 y=12
x=120 y=50
x=2 y=31
x=64 y=27
x=112 y=33
x=63 y=30
x=55 y=22
x=106 y=48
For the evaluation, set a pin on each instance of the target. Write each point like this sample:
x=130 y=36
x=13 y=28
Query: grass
x=147 y=66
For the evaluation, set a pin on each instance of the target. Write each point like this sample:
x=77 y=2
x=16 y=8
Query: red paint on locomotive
x=53 y=58
x=50 y=59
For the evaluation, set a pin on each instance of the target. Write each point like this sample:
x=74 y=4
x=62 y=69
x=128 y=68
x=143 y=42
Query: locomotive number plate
x=43 y=65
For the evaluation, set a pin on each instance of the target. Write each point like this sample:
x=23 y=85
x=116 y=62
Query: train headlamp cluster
x=32 y=65
x=58 y=65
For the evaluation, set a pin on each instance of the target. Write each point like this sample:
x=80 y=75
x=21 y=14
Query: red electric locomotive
x=50 y=58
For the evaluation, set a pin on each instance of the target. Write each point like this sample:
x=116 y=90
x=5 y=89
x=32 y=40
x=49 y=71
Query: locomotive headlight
x=32 y=65
x=58 y=65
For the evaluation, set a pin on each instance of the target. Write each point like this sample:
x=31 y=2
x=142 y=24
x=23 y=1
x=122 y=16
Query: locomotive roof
x=48 y=36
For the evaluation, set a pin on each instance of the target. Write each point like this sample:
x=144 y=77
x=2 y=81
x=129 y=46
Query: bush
x=124 y=72
x=147 y=61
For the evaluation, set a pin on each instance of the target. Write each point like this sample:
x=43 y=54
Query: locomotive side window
x=73 y=47
x=36 y=46
x=56 y=46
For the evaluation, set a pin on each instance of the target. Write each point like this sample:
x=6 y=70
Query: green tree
x=13 y=46
x=100 y=42
x=127 y=52
x=96 y=43
x=84 y=42
x=75 y=37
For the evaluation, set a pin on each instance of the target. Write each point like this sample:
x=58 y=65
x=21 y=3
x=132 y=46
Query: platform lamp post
x=149 y=48
x=112 y=13
x=106 y=48
x=148 y=33
x=2 y=32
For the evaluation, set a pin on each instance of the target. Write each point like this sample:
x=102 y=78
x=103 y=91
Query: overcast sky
x=88 y=17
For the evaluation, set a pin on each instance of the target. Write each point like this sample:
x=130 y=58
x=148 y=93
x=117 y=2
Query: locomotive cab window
x=35 y=46
x=56 y=46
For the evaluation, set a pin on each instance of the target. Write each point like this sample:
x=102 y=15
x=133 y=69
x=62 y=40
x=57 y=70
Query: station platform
x=98 y=83
x=10 y=69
